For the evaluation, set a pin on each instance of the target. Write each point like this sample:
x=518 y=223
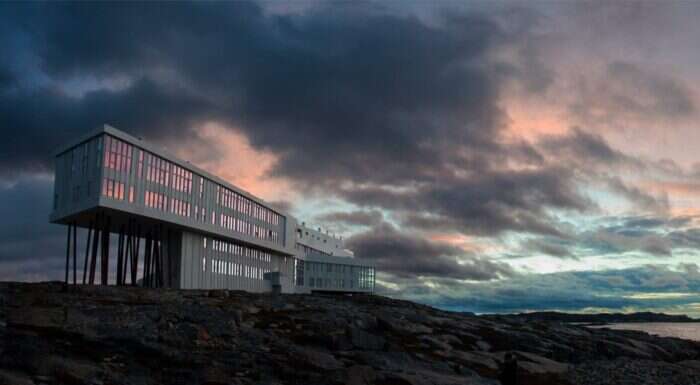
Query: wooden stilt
x=168 y=261
x=68 y=252
x=137 y=251
x=104 y=262
x=147 y=260
x=75 y=253
x=87 y=252
x=95 y=243
x=120 y=256
x=156 y=259
x=128 y=251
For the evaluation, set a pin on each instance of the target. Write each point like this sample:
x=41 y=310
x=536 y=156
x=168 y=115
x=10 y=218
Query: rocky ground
x=110 y=335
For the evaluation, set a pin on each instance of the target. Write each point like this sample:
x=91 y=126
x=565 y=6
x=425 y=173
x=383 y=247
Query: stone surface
x=135 y=336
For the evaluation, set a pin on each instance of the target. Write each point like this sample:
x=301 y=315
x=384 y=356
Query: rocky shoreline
x=119 y=335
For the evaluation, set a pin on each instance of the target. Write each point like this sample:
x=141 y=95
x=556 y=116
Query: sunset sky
x=489 y=156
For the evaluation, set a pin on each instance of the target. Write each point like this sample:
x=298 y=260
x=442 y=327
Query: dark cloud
x=354 y=218
x=348 y=100
x=667 y=97
x=552 y=246
x=652 y=287
x=579 y=145
x=410 y=255
x=481 y=203
x=41 y=120
x=30 y=247
x=629 y=91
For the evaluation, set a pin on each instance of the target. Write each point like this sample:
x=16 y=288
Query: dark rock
x=11 y=378
x=365 y=341
x=361 y=375
x=137 y=336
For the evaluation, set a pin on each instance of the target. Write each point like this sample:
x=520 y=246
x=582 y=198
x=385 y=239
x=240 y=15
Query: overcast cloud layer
x=488 y=158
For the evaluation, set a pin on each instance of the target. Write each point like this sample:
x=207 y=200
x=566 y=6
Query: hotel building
x=174 y=225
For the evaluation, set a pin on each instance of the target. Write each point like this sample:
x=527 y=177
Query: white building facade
x=178 y=226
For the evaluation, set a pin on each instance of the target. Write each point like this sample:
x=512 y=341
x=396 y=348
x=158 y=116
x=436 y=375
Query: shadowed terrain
x=122 y=335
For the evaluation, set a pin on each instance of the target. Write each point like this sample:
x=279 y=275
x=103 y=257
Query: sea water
x=685 y=330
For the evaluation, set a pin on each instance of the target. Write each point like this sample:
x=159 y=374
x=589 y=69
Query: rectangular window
x=113 y=189
x=155 y=200
x=117 y=154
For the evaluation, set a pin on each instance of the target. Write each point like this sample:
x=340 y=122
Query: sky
x=488 y=156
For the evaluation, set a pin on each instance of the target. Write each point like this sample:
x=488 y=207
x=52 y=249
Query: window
x=117 y=154
x=182 y=179
x=179 y=207
x=158 y=170
x=112 y=189
x=155 y=200
x=140 y=164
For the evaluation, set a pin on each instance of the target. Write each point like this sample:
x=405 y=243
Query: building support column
x=147 y=260
x=135 y=255
x=127 y=251
x=75 y=253
x=104 y=262
x=68 y=252
x=120 y=255
x=87 y=252
x=95 y=243
x=157 y=259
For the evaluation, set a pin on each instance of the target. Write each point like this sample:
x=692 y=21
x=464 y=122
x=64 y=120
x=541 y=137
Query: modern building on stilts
x=174 y=225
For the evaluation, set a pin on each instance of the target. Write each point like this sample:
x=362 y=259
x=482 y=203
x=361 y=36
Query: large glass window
x=113 y=189
x=182 y=179
x=158 y=170
x=117 y=154
x=155 y=200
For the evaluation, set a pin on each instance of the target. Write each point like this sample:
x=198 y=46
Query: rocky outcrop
x=111 y=335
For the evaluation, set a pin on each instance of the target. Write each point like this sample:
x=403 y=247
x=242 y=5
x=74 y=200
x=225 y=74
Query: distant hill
x=600 y=318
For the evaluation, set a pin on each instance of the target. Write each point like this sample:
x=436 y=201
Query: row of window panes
x=113 y=189
x=298 y=272
x=155 y=200
x=331 y=267
x=200 y=215
x=157 y=170
x=366 y=278
x=182 y=179
x=328 y=283
x=79 y=160
x=117 y=154
x=238 y=225
x=364 y=275
x=179 y=207
x=219 y=266
x=234 y=201
x=236 y=249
